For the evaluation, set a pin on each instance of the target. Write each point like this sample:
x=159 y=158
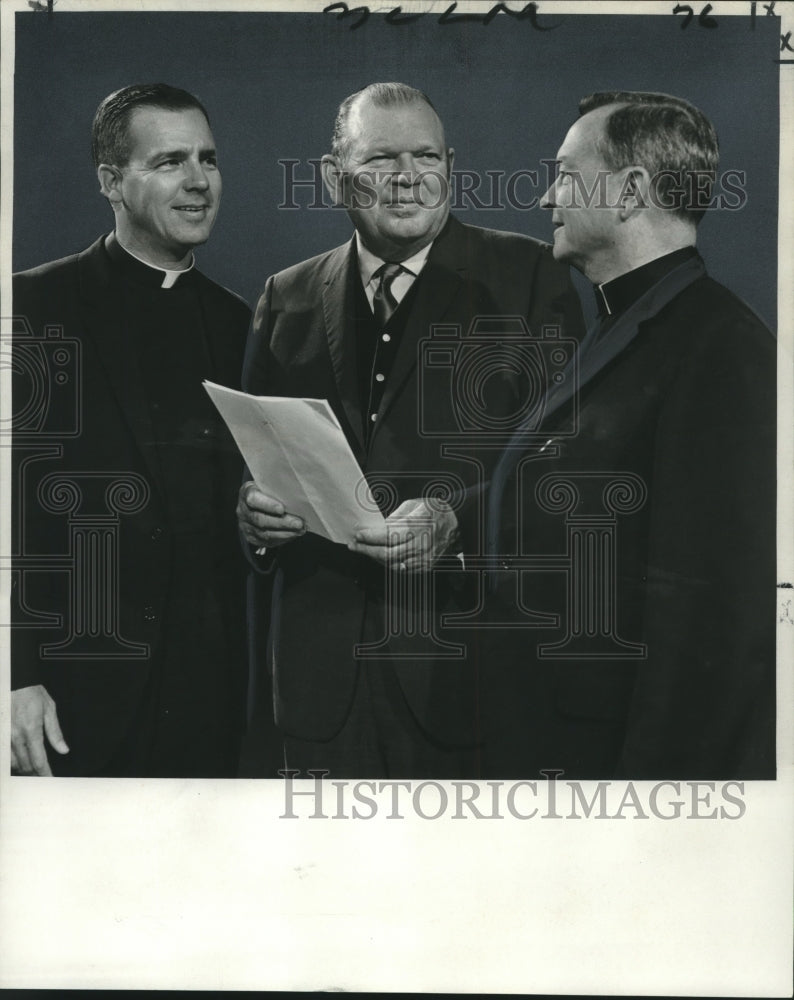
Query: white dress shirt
x=368 y=264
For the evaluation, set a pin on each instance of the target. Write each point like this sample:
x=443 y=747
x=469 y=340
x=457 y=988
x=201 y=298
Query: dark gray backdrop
x=271 y=83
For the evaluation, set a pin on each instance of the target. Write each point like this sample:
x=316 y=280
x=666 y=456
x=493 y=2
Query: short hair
x=670 y=137
x=383 y=95
x=110 y=132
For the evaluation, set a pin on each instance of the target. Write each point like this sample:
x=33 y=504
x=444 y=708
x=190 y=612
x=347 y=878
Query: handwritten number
x=704 y=20
x=703 y=17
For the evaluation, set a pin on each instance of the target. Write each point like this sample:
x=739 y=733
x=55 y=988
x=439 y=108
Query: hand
x=414 y=536
x=33 y=714
x=263 y=520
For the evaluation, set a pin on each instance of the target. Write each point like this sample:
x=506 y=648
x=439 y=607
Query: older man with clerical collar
x=657 y=659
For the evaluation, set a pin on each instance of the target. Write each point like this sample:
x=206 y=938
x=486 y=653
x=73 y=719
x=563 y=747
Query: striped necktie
x=384 y=303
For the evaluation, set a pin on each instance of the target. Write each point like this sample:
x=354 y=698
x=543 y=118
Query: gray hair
x=383 y=95
x=670 y=137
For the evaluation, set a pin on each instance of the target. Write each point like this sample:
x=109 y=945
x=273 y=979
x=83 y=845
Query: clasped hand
x=411 y=539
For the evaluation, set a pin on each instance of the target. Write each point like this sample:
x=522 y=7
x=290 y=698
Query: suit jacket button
x=149 y=614
x=156 y=533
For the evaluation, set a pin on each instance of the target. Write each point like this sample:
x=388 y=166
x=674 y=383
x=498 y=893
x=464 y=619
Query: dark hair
x=670 y=137
x=110 y=141
x=383 y=95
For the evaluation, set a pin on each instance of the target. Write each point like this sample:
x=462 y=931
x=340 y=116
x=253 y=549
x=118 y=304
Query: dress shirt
x=368 y=264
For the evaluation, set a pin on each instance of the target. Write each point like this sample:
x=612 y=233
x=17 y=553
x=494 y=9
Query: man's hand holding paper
x=263 y=519
x=412 y=538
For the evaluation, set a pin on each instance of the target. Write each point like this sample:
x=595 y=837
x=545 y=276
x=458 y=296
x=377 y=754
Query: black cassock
x=159 y=689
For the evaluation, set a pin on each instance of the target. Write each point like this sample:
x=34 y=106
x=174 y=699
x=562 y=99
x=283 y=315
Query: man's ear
x=333 y=178
x=634 y=191
x=110 y=183
x=450 y=162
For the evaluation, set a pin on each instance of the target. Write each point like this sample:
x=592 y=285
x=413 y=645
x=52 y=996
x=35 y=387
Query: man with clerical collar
x=128 y=658
x=646 y=647
x=357 y=687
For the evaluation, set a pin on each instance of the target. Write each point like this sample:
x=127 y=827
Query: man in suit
x=128 y=649
x=656 y=518
x=350 y=326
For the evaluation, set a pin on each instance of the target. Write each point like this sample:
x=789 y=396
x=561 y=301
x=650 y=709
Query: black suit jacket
x=94 y=430
x=678 y=403
x=327 y=600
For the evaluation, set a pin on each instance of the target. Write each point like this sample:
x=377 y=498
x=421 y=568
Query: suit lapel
x=103 y=322
x=438 y=287
x=339 y=315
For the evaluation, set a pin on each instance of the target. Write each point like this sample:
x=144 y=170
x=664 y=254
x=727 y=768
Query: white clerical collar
x=170 y=276
x=368 y=263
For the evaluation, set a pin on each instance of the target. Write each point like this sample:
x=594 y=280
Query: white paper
x=297 y=452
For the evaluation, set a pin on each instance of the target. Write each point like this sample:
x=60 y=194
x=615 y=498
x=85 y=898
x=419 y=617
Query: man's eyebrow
x=167 y=154
x=179 y=153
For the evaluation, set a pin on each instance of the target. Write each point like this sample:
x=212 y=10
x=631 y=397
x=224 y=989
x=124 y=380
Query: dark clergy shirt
x=614 y=297
x=191 y=682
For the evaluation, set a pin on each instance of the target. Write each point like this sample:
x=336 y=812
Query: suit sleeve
x=704 y=704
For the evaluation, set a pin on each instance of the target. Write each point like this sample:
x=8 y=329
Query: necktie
x=384 y=302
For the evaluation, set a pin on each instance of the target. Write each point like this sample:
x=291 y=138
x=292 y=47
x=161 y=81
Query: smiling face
x=585 y=199
x=166 y=196
x=393 y=177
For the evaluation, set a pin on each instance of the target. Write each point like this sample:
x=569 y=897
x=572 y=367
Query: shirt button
x=379 y=377
x=373 y=417
x=386 y=337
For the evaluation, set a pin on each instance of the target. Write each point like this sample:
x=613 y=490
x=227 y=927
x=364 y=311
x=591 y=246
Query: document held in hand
x=297 y=452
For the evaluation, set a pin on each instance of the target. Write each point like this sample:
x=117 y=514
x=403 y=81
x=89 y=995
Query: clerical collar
x=368 y=263
x=149 y=274
x=615 y=296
